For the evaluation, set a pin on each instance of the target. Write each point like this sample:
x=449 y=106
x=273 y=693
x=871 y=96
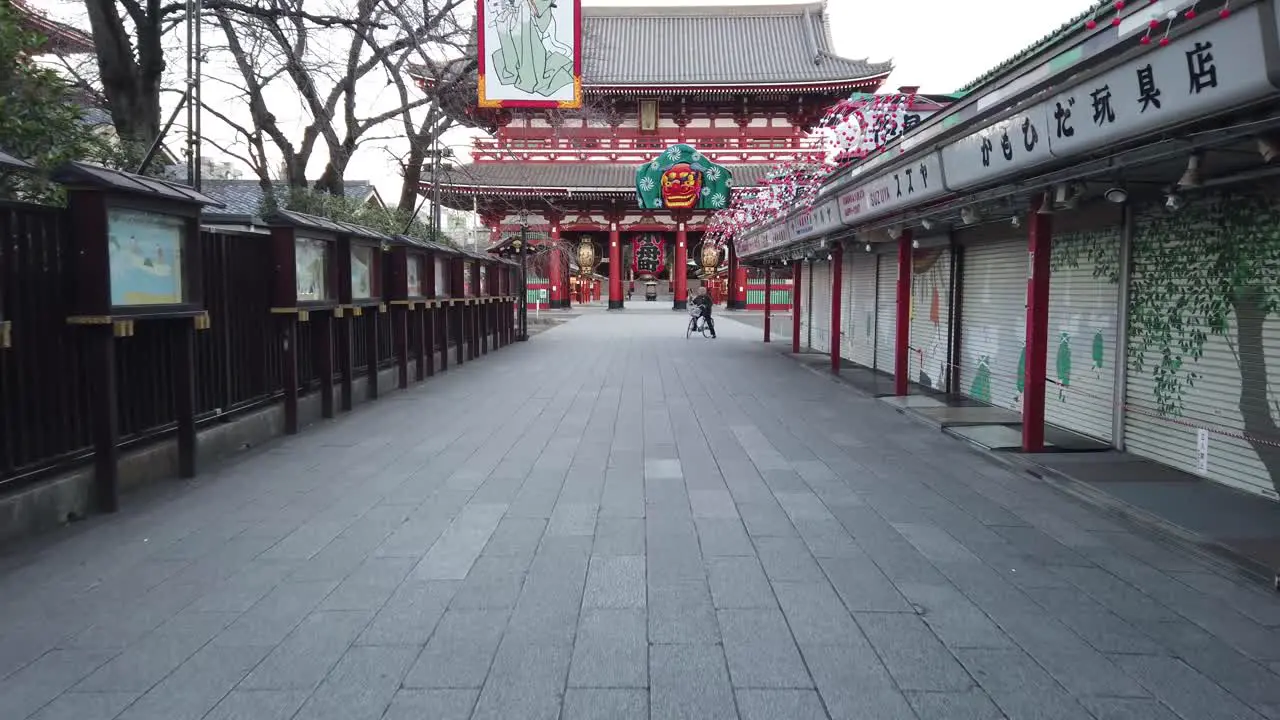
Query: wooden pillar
x=289 y=375
x=442 y=334
x=615 y=266
x=400 y=337
x=795 y=305
x=837 y=277
x=736 y=300
x=104 y=394
x=371 y=352
x=902 y=331
x=1039 y=245
x=184 y=394
x=556 y=267
x=419 y=318
x=323 y=353
x=346 y=358
x=461 y=330
x=768 y=306
x=739 y=281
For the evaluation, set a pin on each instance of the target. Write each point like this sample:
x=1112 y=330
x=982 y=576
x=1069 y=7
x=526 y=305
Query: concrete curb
x=1193 y=543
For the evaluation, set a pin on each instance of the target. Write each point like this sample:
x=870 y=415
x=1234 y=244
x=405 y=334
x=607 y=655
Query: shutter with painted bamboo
x=821 y=314
x=1203 y=371
x=930 y=299
x=993 y=322
x=886 y=311
x=1081 y=362
x=862 y=309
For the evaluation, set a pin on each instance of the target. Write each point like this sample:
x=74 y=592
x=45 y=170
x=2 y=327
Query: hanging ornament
x=1225 y=12
x=1191 y=11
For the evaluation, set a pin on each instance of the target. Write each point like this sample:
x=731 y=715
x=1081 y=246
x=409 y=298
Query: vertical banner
x=530 y=53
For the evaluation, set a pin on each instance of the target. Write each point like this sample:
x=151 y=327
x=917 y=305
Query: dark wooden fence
x=44 y=398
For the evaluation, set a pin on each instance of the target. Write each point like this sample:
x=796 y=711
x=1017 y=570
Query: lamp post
x=522 y=249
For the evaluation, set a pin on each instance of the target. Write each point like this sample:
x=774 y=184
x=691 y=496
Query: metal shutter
x=862 y=309
x=820 y=316
x=930 y=322
x=1183 y=265
x=806 y=306
x=886 y=311
x=848 y=318
x=993 y=322
x=1081 y=363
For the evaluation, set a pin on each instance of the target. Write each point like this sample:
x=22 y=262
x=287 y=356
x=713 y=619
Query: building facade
x=570 y=176
x=1093 y=260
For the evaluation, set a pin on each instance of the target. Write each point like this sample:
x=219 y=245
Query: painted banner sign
x=530 y=53
x=817 y=220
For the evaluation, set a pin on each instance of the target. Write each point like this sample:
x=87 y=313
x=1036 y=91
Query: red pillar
x=768 y=309
x=737 y=300
x=615 y=267
x=1040 y=238
x=555 y=264
x=902 y=334
x=837 y=273
x=795 y=306
x=680 y=268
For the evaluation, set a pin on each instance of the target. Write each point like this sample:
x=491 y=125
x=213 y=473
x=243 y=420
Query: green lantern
x=681 y=178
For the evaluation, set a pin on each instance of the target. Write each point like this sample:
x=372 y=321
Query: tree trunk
x=1254 y=406
x=411 y=187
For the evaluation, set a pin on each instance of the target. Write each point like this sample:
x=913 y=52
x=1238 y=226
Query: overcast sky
x=937 y=44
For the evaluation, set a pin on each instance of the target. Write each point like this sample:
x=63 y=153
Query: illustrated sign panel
x=681 y=178
x=1015 y=143
x=467 y=288
x=919 y=181
x=145 y=257
x=1218 y=66
x=530 y=53
x=762 y=240
x=442 y=287
x=413 y=276
x=361 y=272
x=311 y=261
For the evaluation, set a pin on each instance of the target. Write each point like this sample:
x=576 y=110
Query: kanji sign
x=905 y=185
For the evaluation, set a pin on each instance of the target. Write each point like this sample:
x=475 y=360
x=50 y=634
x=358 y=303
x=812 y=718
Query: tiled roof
x=595 y=176
x=724 y=45
x=244 y=197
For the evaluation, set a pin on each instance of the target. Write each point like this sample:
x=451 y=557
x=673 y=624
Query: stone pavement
x=613 y=522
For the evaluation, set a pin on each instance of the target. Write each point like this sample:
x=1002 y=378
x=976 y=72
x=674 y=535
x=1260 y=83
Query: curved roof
x=718 y=45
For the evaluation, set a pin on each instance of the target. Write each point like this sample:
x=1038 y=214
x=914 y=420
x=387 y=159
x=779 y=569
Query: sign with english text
x=818 y=220
x=904 y=186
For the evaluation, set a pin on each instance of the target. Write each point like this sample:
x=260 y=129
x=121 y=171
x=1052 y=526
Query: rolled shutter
x=993 y=322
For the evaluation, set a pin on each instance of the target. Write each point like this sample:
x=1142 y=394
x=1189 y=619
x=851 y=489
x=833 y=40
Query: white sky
x=936 y=44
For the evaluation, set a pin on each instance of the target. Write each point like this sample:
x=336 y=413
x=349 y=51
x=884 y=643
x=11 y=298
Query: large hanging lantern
x=710 y=258
x=586 y=256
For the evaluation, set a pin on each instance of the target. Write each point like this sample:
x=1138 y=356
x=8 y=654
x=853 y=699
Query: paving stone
x=25 y=691
x=1127 y=709
x=761 y=651
x=739 y=582
x=611 y=650
x=369 y=586
x=615 y=582
x=682 y=613
x=527 y=681
x=955 y=620
x=1018 y=685
x=602 y=704
x=690 y=682
x=787 y=559
x=149 y=660
x=276 y=615
x=916 y=659
x=493 y=582
x=765 y=519
x=573 y=519
x=774 y=704
x=410 y=615
x=1185 y=691
x=259 y=705
x=862 y=586
x=719 y=537
x=452 y=555
x=432 y=705
x=970 y=705
x=619 y=536
x=305 y=657
x=712 y=504
x=461 y=650
x=827 y=538
x=199 y=684
x=87 y=706
x=854 y=684
x=361 y=685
